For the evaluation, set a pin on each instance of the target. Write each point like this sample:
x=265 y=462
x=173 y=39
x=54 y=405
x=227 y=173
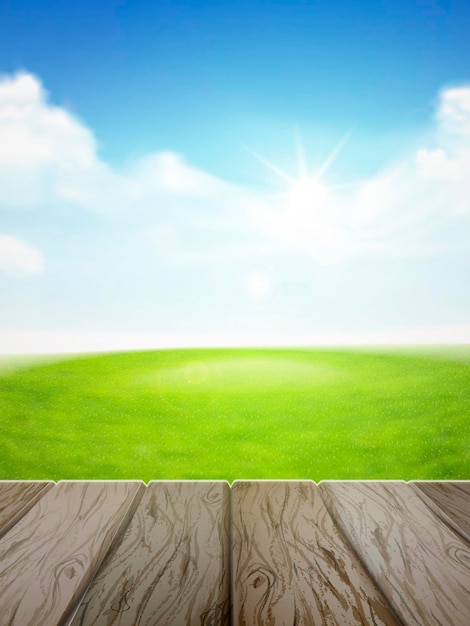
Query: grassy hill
x=238 y=413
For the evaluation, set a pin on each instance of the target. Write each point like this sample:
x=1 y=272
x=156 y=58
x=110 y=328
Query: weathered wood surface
x=172 y=565
x=421 y=564
x=16 y=498
x=50 y=556
x=450 y=501
x=291 y=565
x=395 y=554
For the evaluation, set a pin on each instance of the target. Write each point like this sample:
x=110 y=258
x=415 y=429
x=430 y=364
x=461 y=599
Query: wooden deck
x=117 y=553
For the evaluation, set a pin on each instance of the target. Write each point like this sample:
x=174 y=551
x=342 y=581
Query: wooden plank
x=172 y=565
x=291 y=565
x=17 y=497
x=450 y=501
x=49 y=557
x=421 y=564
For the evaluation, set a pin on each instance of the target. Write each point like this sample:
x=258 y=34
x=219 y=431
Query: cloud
x=453 y=113
x=38 y=143
x=415 y=206
x=451 y=159
x=38 y=133
x=167 y=233
x=18 y=256
x=436 y=164
x=444 y=171
x=49 y=157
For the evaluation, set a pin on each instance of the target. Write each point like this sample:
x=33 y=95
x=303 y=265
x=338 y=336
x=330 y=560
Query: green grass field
x=239 y=413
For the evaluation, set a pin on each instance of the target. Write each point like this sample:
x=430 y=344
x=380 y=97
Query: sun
x=307 y=191
x=309 y=214
x=308 y=194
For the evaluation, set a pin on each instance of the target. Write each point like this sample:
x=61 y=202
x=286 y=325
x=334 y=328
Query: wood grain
x=450 y=501
x=421 y=564
x=172 y=565
x=49 y=557
x=16 y=498
x=291 y=564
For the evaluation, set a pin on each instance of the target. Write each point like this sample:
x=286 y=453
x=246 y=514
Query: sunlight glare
x=309 y=213
x=258 y=285
x=309 y=193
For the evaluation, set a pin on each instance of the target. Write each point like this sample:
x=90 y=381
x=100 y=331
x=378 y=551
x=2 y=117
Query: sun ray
x=270 y=165
x=300 y=152
x=302 y=161
x=325 y=166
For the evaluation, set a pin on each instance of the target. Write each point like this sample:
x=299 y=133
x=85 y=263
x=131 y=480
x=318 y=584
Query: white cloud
x=18 y=256
x=35 y=134
x=166 y=171
x=452 y=158
x=436 y=164
x=444 y=171
x=162 y=228
x=49 y=158
x=417 y=206
x=453 y=113
x=39 y=143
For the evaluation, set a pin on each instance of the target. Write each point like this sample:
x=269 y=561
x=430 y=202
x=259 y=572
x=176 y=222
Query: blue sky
x=233 y=172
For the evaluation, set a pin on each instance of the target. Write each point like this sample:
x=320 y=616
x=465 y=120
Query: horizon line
x=21 y=341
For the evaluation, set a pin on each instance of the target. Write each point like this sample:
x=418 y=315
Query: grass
x=245 y=413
